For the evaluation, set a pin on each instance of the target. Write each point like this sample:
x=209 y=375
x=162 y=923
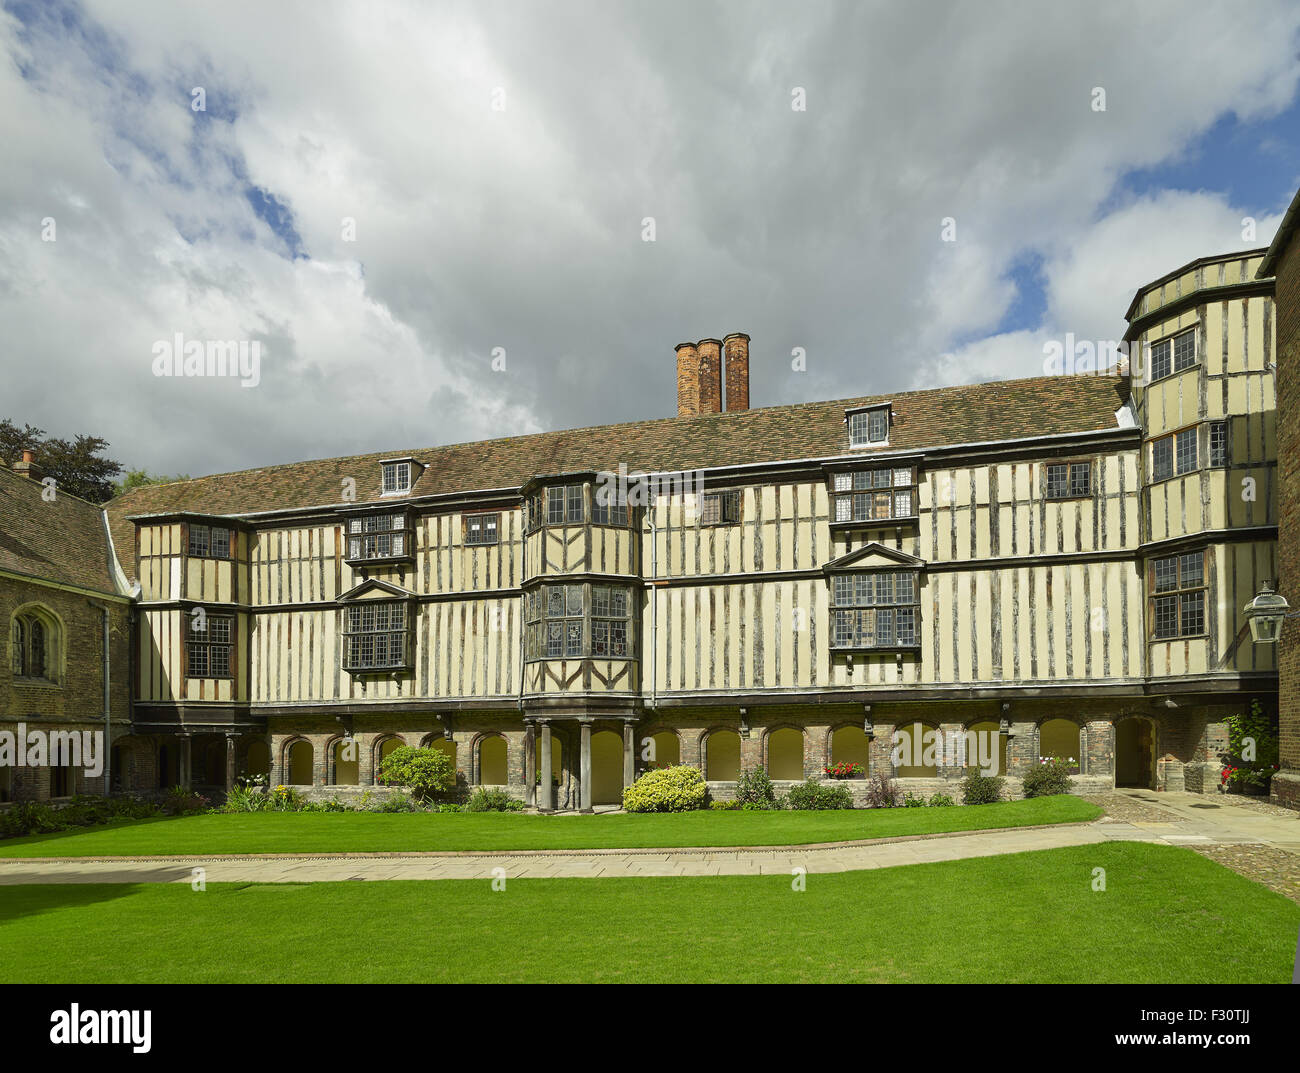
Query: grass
x=362 y=832
x=1167 y=916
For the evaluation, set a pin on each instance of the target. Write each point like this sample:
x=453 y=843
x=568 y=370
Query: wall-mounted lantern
x=1265 y=615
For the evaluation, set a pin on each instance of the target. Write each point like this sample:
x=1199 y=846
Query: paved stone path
x=1188 y=823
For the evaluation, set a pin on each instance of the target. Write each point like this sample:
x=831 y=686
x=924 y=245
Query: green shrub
x=941 y=801
x=811 y=794
x=492 y=799
x=724 y=806
x=680 y=788
x=396 y=802
x=911 y=800
x=1049 y=776
x=881 y=792
x=246 y=799
x=1252 y=756
x=754 y=788
x=30 y=818
x=286 y=799
x=977 y=789
x=425 y=772
x=178 y=801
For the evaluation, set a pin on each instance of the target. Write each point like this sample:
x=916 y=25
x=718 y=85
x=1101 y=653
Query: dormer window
x=869 y=427
x=396 y=478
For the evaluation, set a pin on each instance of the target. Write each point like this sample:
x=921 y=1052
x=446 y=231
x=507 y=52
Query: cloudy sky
x=497 y=161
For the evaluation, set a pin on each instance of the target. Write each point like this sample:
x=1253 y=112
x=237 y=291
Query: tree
x=77 y=466
x=427 y=772
x=139 y=478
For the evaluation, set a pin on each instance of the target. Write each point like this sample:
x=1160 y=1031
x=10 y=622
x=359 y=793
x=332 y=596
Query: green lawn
x=361 y=832
x=1167 y=915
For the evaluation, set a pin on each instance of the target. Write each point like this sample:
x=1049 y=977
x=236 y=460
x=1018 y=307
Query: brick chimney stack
x=710 y=351
x=737 y=350
x=688 y=380
x=28 y=467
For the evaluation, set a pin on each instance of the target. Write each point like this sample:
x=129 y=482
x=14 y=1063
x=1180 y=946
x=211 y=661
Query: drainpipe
x=654 y=612
x=104 y=674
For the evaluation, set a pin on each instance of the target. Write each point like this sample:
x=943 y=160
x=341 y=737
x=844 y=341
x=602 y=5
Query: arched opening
x=986 y=746
x=661 y=750
x=347 y=762
x=35 y=644
x=850 y=745
x=606 y=768
x=300 y=763
x=722 y=756
x=443 y=745
x=785 y=754
x=259 y=758
x=385 y=747
x=914 y=751
x=208 y=761
x=1135 y=753
x=169 y=767
x=60 y=780
x=1060 y=738
x=493 y=769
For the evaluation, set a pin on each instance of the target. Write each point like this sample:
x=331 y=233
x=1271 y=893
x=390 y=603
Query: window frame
x=193 y=529
x=863 y=489
x=1224 y=447
x=201 y=641
x=1173 y=441
x=397 y=465
x=350 y=631
x=856 y=595
x=30 y=626
x=1171 y=340
x=399 y=526
x=591 y=619
x=467 y=529
x=1180 y=593
x=1071 y=467
x=616 y=514
x=729 y=503
x=867 y=415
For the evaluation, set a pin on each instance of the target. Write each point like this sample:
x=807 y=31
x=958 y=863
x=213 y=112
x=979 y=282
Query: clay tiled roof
x=62 y=540
x=1003 y=410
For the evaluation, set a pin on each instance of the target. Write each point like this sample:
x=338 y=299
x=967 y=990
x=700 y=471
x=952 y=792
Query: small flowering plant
x=845 y=769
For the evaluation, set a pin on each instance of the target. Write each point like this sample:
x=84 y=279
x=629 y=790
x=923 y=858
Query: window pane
x=1056 y=481
x=198 y=540
x=619 y=603
x=711 y=510
x=842 y=588
x=861 y=480
x=618 y=638
x=903 y=477
x=555 y=601
x=1080 y=478
x=857 y=429
x=600 y=601
x=1184 y=351
x=1186 y=450
x=843 y=482
x=843 y=628
x=573 y=638
x=555 y=506
x=219 y=629
x=1218 y=443
x=1192 y=605
x=1166 y=574
x=575 y=503
x=1166 y=616
x=555 y=639
x=906 y=622
x=885 y=626
x=864 y=592
x=906 y=593
x=1162 y=458
x=198 y=660
x=1191 y=570
x=884 y=588
x=843 y=508
x=880 y=478
x=877 y=425
x=903 y=504
x=1160 y=359
x=574 y=595
x=599 y=638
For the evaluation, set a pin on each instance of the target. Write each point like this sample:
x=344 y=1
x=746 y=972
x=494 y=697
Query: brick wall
x=74 y=701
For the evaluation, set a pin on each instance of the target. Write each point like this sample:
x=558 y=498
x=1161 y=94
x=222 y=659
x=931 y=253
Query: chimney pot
x=737 y=350
x=28 y=466
x=29 y=456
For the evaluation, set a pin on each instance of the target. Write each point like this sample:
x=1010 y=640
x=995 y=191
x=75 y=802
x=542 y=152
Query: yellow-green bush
x=680 y=788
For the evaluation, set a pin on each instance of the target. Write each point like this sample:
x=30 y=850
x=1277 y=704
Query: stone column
x=530 y=765
x=547 y=803
x=629 y=753
x=584 y=766
x=187 y=761
x=230 y=762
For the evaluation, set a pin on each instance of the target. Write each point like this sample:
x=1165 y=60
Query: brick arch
x=765 y=746
x=926 y=724
x=283 y=772
x=376 y=748
x=476 y=754
x=705 y=736
x=651 y=732
x=331 y=764
x=828 y=750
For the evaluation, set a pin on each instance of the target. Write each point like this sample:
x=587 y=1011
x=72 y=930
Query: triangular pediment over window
x=874 y=555
x=375 y=589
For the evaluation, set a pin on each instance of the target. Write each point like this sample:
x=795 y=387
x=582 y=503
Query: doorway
x=1135 y=753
